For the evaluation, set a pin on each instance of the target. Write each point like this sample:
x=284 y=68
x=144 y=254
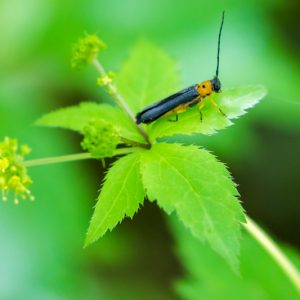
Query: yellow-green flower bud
x=2 y=182
x=105 y=80
x=4 y=163
x=13 y=173
x=25 y=150
x=15 y=184
x=13 y=169
x=100 y=138
x=26 y=180
x=86 y=50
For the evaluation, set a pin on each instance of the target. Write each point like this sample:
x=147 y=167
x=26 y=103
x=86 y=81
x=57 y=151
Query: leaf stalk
x=270 y=246
x=73 y=157
x=121 y=101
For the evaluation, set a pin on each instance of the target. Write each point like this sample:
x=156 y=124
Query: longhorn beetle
x=181 y=101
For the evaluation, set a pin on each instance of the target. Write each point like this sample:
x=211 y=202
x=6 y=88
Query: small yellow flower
x=4 y=163
x=14 y=183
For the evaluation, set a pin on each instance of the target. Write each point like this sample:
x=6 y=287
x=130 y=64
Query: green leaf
x=233 y=102
x=77 y=117
x=199 y=188
x=147 y=76
x=209 y=277
x=121 y=196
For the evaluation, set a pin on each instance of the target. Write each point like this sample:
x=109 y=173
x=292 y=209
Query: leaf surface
x=77 y=117
x=147 y=76
x=192 y=182
x=233 y=102
x=121 y=195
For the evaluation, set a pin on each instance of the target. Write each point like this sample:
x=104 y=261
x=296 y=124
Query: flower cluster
x=86 y=50
x=100 y=138
x=13 y=173
x=105 y=80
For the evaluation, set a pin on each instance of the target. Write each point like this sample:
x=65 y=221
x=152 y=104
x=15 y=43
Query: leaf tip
x=87 y=243
x=90 y=239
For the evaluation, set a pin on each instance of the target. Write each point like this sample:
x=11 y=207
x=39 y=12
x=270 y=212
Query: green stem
x=120 y=100
x=134 y=143
x=73 y=157
x=270 y=246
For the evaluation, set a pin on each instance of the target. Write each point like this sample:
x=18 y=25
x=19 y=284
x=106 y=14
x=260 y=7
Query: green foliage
x=184 y=179
x=234 y=103
x=77 y=117
x=209 y=276
x=199 y=188
x=100 y=138
x=121 y=196
x=147 y=76
x=193 y=46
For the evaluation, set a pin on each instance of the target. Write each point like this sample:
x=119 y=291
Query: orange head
x=207 y=87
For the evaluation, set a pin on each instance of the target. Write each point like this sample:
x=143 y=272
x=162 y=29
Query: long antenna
x=219 y=40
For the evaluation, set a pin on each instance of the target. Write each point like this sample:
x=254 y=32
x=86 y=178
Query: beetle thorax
x=204 y=88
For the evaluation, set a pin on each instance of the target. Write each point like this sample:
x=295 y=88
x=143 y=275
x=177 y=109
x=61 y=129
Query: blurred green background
x=41 y=255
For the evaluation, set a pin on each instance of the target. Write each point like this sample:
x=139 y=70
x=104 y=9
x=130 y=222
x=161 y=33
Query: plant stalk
x=72 y=157
x=120 y=100
x=270 y=246
x=134 y=143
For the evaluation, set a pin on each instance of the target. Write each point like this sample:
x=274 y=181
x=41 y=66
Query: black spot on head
x=203 y=86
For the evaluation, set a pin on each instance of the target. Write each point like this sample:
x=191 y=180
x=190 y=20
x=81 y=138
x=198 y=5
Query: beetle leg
x=201 y=105
x=194 y=102
x=201 y=115
x=213 y=102
x=176 y=118
x=178 y=110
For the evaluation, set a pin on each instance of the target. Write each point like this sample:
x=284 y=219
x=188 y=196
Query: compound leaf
x=199 y=188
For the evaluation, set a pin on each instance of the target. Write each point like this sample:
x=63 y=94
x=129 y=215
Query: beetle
x=186 y=98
